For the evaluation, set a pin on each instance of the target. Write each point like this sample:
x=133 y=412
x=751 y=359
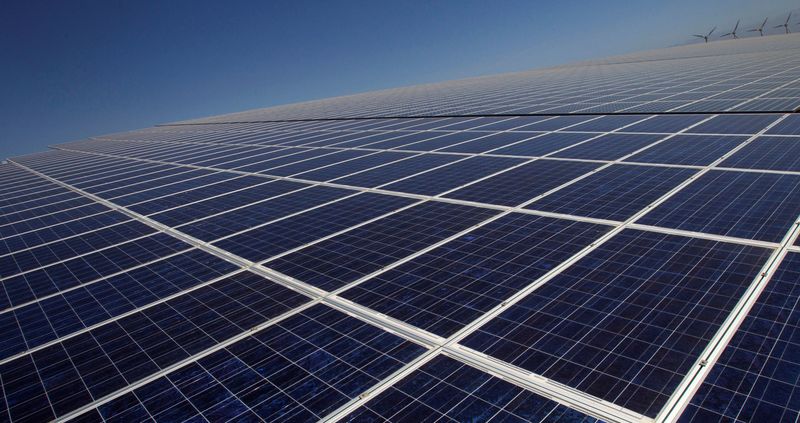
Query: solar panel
x=613 y=240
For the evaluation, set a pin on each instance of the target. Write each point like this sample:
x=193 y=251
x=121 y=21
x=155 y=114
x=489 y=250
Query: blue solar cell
x=444 y=290
x=506 y=123
x=773 y=153
x=626 y=322
x=53 y=233
x=40 y=221
x=614 y=193
x=553 y=124
x=447 y=390
x=176 y=195
x=334 y=157
x=523 y=183
x=489 y=142
x=265 y=166
x=190 y=212
x=697 y=150
x=352 y=166
x=394 y=171
x=342 y=259
x=544 y=144
x=756 y=377
x=735 y=124
x=43 y=255
x=452 y=176
x=276 y=238
x=298 y=369
x=609 y=147
x=441 y=141
x=742 y=204
x=405 y=138
x=607 y=123
x=35 y=284
x=788 y=126
x=665 y=123
x=77 y=309
x=237 y=220
x=366 y=139
x=94 y=364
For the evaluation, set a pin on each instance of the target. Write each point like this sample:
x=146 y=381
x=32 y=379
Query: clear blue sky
x=72 y=69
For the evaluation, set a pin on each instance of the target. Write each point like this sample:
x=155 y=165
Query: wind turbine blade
x=764 y=23
x=752 y=30
x=698 y=36
x=736 y=27
x=778 y=26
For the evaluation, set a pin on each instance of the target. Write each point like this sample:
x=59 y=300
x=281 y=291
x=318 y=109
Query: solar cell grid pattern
x=565 y=244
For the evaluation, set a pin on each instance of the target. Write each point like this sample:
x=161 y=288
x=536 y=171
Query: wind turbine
x=705 y=37
x=732 y=32
x=785 y=25
x=760 y=29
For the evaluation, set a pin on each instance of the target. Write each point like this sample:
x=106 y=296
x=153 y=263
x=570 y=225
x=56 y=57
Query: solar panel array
x=390 y=257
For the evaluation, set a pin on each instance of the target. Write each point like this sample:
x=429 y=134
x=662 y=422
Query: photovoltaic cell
x=397 y=170
x=337 y=261
x=523 y=183
x=71 y=373
x=756 y=377
x=773 y=153
x=615 y=193
x=298 y=369
x=735 y=124
x=545 y=144
x=447 y=390
x=449 y=287
x=742 y=204
x=626 y=322
x=688 y=150
x=276 y=238
x=609 y=147
x=452 y=176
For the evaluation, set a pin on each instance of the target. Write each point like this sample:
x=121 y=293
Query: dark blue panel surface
x=394 y=171
x=67 y=375
x=299 y=369
x=76 y=309
x=352 y=166
x=614 y=193
x=247 y=217
x=735 y=124
x=447 y=390
x=333 y=158
x=224 y=202
x=31 y=285
x=276 y=238
x=742 y=204
x=337 y=261
x=756 y=377
x=441 y=140
x=523 y=183
x=626 y=322
x=545 y=144
x=773 y=153
x=788 y=126
x=449 y=287
x=694 y=150
x=489 y=142
x=609 y=147
x=44 y=255
x=607 y=123
x=452 y=176
x=665 y=123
